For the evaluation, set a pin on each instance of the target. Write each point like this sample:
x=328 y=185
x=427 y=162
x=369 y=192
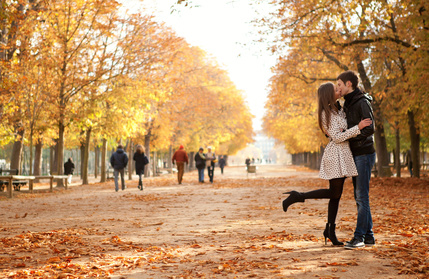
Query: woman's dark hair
x=327 y=103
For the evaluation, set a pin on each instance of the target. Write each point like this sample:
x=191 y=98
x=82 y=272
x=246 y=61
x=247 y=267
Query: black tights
x=333 y=194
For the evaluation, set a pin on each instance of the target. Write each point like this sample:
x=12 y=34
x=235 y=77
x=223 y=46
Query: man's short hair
x=120 y=146
x=351 y=76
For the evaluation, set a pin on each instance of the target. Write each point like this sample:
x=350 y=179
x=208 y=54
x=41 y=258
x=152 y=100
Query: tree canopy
x=76 y=70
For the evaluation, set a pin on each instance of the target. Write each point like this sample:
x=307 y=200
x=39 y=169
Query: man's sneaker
x=354 y=243
x=369 y=241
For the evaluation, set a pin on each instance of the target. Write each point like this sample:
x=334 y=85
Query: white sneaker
x=354 y=243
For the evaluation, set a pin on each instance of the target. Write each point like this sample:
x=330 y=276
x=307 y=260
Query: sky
x=224 y=30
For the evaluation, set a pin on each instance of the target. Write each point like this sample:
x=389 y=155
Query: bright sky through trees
x=223 y=28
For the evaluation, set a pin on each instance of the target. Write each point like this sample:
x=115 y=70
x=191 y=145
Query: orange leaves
x=351 y=263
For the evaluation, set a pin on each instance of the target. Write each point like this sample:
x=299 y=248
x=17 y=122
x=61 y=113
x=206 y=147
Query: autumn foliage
x=77 y=73
x=385 y=42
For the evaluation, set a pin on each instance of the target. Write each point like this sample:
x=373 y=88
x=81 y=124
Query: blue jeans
x=116 y=175
x=201 y=175
x=364 y=164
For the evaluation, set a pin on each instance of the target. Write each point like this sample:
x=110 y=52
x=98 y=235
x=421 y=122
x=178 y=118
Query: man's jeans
x=200 y=175
x=364 y=164
x=116 y=175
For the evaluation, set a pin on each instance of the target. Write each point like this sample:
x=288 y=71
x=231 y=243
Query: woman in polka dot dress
x=337 y=161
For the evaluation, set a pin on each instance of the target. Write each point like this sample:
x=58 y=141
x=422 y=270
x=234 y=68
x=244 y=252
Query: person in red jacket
x=180 y=157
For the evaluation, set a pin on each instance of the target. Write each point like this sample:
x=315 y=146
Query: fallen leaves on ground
x=400 y=210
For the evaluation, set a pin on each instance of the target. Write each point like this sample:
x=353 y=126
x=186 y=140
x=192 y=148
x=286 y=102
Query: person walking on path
x=69 y=169
x=180 y=157
x=141 y=161
x=357 y=106
x=247 y=162
x=210 y=163
x=222 y=163
x=119 y=161
x=337 y=161
x=200 y=163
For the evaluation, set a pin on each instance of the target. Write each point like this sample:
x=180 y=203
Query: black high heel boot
x=326 y=233
x=293 y=198
x=329 y=232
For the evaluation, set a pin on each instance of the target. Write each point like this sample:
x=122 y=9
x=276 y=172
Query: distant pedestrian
x=180 y=157
x=222 y=163
x=247 y=162
x=141 y=162
x=69 y=169
x=200 y=163
x=210 y=163
x=119 y=161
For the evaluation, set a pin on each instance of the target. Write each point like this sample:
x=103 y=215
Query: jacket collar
x=353 y=97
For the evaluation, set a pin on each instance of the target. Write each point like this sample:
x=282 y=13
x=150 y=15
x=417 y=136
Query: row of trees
x=386 y=42
x=87 y=73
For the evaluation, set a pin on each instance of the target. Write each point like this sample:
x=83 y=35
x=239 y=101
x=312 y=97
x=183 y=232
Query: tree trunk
x=15 y=158
x=170 y=156
x=52 y=160
x=313 y=160
x=191 y=160
x=82 y=157
x=38 y=158
x=96 y=160
x=60 y=153
x=415 y=144
x=147 y=151
x=31 y=152
x=103 y=160
x=397 y=152
x=85 y=180
x=381 y=149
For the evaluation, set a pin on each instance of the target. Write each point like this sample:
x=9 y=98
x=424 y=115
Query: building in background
x=266 y=145
x=264 y=150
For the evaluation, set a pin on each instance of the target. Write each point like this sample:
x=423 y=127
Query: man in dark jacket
x=200 y=163
x=180 y=157
x=68 y=170
x=119 y=161
x=357 y=106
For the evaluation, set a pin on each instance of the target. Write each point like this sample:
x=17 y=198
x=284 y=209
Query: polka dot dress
x=337 y=160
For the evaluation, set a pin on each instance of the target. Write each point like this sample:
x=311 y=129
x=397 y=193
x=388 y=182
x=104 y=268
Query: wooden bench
x=51 y=181
x=251 y=169
x=11 y=178
x=16 y=183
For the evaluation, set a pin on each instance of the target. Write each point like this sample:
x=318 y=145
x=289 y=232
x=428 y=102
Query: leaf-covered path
x=233 y=228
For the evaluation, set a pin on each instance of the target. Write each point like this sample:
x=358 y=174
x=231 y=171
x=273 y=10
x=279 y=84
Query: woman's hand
x=364 y=123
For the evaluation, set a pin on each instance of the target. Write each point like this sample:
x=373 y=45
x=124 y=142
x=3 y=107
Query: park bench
x=51 y=181
x=251 y=169
x=11 y=178
x=16 y=183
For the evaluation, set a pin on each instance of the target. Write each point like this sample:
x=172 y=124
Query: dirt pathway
x=233 y=228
